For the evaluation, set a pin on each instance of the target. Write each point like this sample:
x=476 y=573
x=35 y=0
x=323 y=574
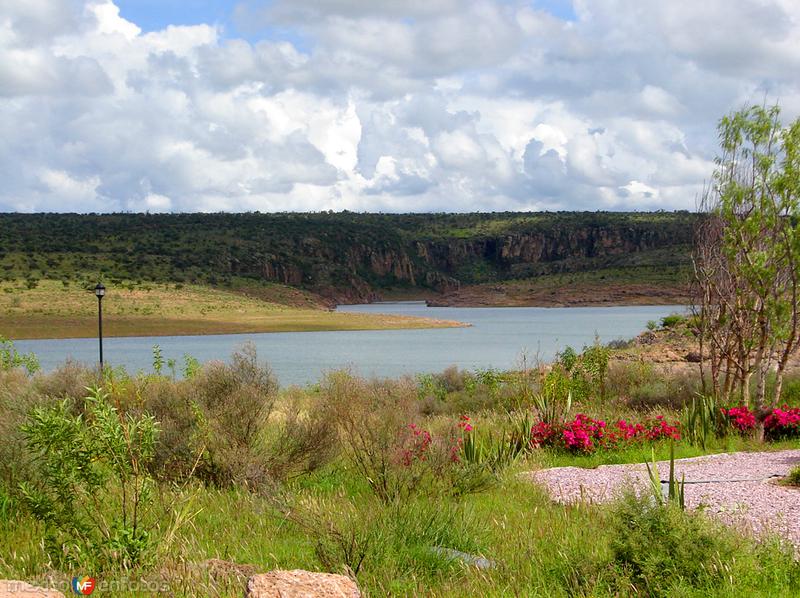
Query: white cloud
x=412 y=105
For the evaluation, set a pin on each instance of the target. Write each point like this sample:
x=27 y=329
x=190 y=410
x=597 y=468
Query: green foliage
x=567 y=358
x=92 y=490
x=702 y=419
x=793 y=479
x=659 y=548
x=749 y=254
x=397 y=540
x=672 y=320
x=594 y=368
x=554 y=400
x=675 y=490
x=190 y=366
x=158 y=360
x=178 y=248
x=495 y=452
x=652 y=325
x=11 y=358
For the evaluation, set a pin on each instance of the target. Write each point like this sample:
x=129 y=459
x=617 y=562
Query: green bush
x=672 y=320
x=213 y=423
x=10 y=358
x=383 y=443
x=658 y=547
x=91 y=488
x=793 y=479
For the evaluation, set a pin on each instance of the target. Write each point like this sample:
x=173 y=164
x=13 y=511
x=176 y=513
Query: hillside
x=346 y=257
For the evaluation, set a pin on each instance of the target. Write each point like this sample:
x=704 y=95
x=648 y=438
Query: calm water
x=497 y=338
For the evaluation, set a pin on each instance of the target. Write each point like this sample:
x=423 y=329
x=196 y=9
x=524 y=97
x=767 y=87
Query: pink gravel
x=744 y=492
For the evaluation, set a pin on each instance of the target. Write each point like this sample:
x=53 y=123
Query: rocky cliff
x=343 y=256
x=445 y=264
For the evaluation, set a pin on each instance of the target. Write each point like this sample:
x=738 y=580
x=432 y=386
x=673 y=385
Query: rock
x=692 y=357
x=11 y=588
x=647 y=338
x=301 y=584
x=468 y=559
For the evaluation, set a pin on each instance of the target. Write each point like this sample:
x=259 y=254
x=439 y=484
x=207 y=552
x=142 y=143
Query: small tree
x=93 y=491
x=746 y=258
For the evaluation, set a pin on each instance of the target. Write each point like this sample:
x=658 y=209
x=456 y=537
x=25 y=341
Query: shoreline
x=595 y=289
x=167 y=328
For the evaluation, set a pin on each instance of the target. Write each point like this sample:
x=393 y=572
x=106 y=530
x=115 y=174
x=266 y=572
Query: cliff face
x=343 y=256
x=533 y=248
x=443 y=265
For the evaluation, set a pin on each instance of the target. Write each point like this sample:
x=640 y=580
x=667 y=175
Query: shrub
x=672 y=320
x=383 y=441
x=10 y=358
x=303 y=436
x=782 y=423
x=92 y=491
x=656 y=547
x=586 y=434
x=741 y=418
x=69 y=381
x=793 y=479
x=213 y=423
x=554 y=400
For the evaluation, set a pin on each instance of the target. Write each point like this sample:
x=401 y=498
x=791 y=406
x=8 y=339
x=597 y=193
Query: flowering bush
x=414 y=444
x=783 y=423
x=583 y=433
x=741 y=418
x=586 y=434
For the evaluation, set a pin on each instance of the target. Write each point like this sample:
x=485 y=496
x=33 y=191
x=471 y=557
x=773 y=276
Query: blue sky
x=152 y=15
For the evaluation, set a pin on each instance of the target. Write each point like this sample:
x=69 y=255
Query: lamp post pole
x=100 y=292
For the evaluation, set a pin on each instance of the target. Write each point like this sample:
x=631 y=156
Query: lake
x=497 y=338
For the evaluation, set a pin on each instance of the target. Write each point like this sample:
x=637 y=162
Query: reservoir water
x=497 y=338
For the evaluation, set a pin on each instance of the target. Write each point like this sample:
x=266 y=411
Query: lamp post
x=100 y=292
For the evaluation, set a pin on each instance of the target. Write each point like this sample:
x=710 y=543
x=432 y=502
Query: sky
x=379 y=105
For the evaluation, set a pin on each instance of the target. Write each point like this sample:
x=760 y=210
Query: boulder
x=11 y=588
x=301 y=584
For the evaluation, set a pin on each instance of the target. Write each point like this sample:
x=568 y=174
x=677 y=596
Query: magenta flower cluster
x=782 y=422
x=586 y=434
x=741 y=418
x=415 y=444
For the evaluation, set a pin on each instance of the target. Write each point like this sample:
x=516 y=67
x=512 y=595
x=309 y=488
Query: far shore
x=527 y=294
x=54 y=311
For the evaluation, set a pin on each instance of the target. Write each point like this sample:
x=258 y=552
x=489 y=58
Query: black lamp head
x=100 y=290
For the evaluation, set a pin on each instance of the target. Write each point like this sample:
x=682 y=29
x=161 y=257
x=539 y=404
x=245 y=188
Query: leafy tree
x=747 y=257
x=93 y=491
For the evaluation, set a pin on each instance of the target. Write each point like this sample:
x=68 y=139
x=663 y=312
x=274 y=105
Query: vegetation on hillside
x=337 y=254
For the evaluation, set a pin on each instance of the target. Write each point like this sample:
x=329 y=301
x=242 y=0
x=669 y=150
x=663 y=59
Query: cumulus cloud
x=393 y=106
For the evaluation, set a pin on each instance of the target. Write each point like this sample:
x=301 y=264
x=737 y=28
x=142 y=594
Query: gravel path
x=742 y=494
